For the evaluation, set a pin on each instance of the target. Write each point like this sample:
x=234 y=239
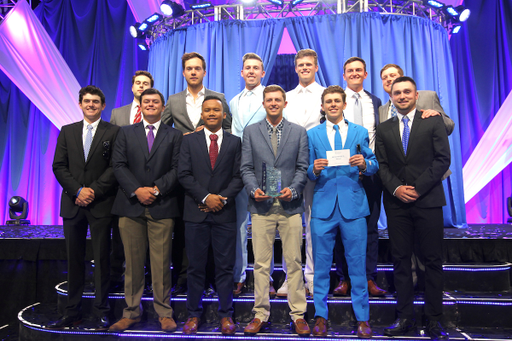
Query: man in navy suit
x=339 y=205
x=414 y=154
x=209 y=171
x=362 y=109
x=82 y=166
x=275 y=142
x=146 y=166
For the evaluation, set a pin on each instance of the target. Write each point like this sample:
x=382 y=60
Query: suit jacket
x=73 y=172
x=376 y=104
x=197 y=177
x=176 y=112
x=426 y=100
x=427 y=159
x=341 y=181
x=135 y=167
x=291 y=159
x=242 y=120
x=121 y=116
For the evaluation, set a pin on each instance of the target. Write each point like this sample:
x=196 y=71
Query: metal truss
x=264 y=9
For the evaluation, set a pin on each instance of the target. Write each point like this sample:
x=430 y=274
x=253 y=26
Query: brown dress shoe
x=374 y=290
x=363 y=330
x=254 y=327
x=191 y=325
x=271 y=290
x=167 y=324
x=228 y=327
x=341 y=289
x=320 y=328
x=123 y=324
x=301 y=327
x=239 y=287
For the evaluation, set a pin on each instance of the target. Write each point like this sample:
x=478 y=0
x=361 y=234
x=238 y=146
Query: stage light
x=134 y=30
x=296 y=2
x=248 y=2
x=456 y=29
x=143 y=46
x=18 y=205
x=277 y=2
x=171 y=8
x=143 y=27
x=433 y=4
x=202 y=5
x=451 y=11
x=154 y=18
x=464 y=13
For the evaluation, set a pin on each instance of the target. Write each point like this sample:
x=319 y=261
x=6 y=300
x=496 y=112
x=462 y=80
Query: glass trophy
x=271 y=181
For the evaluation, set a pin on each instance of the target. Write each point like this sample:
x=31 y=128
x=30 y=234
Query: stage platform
x=477 y=299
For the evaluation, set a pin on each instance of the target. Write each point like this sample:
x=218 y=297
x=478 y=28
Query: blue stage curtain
x=419 y=46
x=482 y=53
x=222 y=44
x=283 y=73
x=93 y=38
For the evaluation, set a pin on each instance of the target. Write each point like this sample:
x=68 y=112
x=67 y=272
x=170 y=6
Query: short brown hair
x=389 y=66
x=143 y=73
x=188 y=56
x=334 y=89
x=152 y=91
x=251 y=55
x=274 y=88
x=404 y=79
x=354 y=59
x=91 y=90
x=306 y=53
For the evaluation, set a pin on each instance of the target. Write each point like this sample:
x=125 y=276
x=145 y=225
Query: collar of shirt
x=409 y=115
x=279 y=132
x=219 y=133
x=200 y=93
x=311 y=88
x=133 y=111
x=156 y=125
x=258 y=91
x=331 y=132
x=93 y=131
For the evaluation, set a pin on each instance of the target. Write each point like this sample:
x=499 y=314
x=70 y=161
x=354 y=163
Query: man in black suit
x=82 y=166
x=413 y=155
x=145 y=163
x=209 y=171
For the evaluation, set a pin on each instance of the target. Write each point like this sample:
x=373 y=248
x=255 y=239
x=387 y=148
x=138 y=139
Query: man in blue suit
x=339 y=204
x=246 y=109
x=362 y=109
x=280 y=144
x=209 y=171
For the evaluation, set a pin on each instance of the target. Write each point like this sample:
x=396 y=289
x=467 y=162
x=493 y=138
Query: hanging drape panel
x=93 y=39
x=222 y=44
x=482 y=53
x=419 y=46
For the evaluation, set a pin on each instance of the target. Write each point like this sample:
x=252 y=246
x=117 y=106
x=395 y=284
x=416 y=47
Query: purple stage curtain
x=93 y=38
x=483 y=68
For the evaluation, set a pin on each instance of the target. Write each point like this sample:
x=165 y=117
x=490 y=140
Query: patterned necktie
x=273 y=140
x=138 y=115
x=405 y=135
x=358 y=110
x=214 y=149
x=151 y=137
x=393 y=110
x=337 y=138
x=88 y=141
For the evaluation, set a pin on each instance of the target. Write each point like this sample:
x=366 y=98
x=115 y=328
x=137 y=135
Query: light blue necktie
x=358 y=110
x=88 y=141
x=405 y=135
x=337 y=139
x=393 y=110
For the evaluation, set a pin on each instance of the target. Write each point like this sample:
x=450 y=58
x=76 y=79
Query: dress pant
x=137 y=234
x=426 y=226
x=264 y=228
x=373 y=188
x=222 y=238
x=353 y=235
x=242 y=218
x=75 y=232
x=179 y=253
x=117 y=254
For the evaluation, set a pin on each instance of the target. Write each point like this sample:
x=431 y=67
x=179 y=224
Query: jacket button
x=148 y=170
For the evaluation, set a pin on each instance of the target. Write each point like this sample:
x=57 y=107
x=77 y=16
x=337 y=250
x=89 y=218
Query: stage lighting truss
x=264 y=9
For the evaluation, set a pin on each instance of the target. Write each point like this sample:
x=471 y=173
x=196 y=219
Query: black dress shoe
x=209 y=292
x=400 y=327
x=179 y=290
x=103 y=323
x=65 y=321
x=436 y=331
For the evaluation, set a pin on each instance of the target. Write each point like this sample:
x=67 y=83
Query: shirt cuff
x=396 y=190
x=254 y=191
x=204 y=199
x=294 y=193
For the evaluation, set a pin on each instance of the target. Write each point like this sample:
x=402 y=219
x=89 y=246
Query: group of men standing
x=336 y=151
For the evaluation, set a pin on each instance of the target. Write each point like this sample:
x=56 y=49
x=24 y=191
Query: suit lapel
x=140 y=134
x=100 y=131
x=226 y=142
x=183 y=109
x=264 y=132
x=396 y=134
x=251 y=115
x=350 y=135
x=160 y=135
x=203 y=147
x=416 y=125
x=284 y=138
x=78 y=132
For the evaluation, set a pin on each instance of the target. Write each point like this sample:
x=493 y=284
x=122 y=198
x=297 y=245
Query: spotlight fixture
x=18 y=205
x=277 y=2
x=456 y=29
x=248 y=2
x=142 y=45
x=451 y=11
x=464 y=13
x=134 y=30
x=154 y=18
x=201 y=5
x=433 y=3
x=295 y=2
x=171 y=8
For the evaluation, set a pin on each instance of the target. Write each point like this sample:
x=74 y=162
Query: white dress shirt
x=194 y=106
x=331 y=132
x=156 y=125
x=93 y=131
x=304 y=105
x=250 y=100
x=410 y=115
x=368 y=113
x=133 y=111
x=219 y=133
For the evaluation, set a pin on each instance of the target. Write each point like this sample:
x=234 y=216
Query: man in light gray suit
x=280 y=144
x=131 y=113
x=184 y=108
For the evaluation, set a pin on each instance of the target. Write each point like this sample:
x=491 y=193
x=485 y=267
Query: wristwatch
x=156 y=192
